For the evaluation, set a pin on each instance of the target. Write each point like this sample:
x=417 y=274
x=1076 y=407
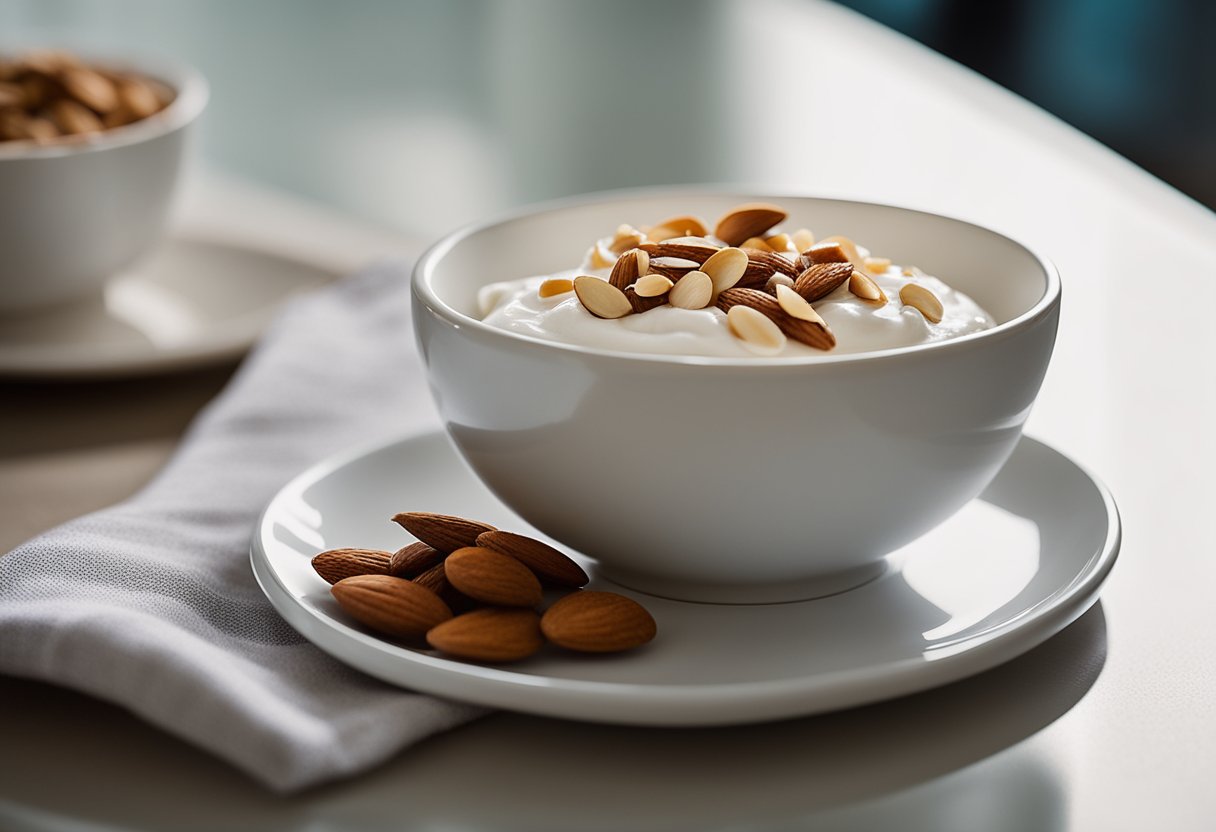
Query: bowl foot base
x=777 y=593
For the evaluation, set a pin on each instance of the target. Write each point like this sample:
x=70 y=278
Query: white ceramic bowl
x=734 y=480
x=73 y=213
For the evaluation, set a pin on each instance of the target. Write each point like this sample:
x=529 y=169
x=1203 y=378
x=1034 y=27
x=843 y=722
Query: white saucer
x=191 y=302
x=1003 y=575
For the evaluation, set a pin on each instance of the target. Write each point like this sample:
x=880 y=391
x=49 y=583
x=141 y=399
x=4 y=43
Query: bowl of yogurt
x=727 y=418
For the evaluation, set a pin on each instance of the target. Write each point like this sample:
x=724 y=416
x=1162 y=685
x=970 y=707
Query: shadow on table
x=931 y=761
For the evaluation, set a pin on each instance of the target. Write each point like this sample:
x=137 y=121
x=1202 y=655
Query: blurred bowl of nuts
x=90 y=155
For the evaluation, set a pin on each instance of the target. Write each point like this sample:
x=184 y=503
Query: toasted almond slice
x=725 y=267
x=659 y=233
x=629 y=267
x=849 y=248
x=686 y=224
x=752 y=219
x=779 y=242
x=864 y=287
x=555 y=286
x=694 y=290
x=796 y=306
x=912 y=271
x=653 y=286
x=923 y=301
x=757 y=244
x=626 y=237
x=755 y=330
x=601 y=298
x=877 y=265
x=597 y=258
x=802 y=239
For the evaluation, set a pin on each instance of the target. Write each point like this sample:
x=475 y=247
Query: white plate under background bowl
x=190 y=303
x=1007 y=572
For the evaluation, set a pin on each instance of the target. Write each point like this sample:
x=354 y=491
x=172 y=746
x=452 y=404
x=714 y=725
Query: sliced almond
x=752 y=219
x=694 y=290
x=597 y=258
x=555 y=286
x=812 y=333
x=912 y=271
x=864 y=287
x=876 y=265
x=923 y=301
x=725 y=267
x=821 y=279
x=779 y=242
x=659 y=233
x=686 y=224
x=796 y=306
x=756 y=244
x=625 y=238
x=754 y=329
x=849 y=248
x=802 y=239
x=601 y=298
x=629 y=267
x=653 y=285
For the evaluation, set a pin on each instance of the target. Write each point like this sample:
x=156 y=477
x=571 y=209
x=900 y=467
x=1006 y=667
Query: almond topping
x=652 y=286
x=864 y=287
x=725 y=268
x=597 y=258
x=659 y=233
x=877 y=265
x=757 y=244
x=755 y=330
x=776 y=280
x=826 y=251
x=751 y=219
x=802 y=239
x=640 y=304
x=685 y=224
x=626 y=237
x=812 y=333
x=923 y=301
x=779 y=242
x=796 y=306
x=694 y=290
x=601 y=298
x=555 y=286
x=629 y=267
x=849 y=248
x=821 y=279
x=693 y=249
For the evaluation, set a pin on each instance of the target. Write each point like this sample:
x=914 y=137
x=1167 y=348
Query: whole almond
x=923 y=301
x=335 y=564
x=672 y=270
x=444 y=532
x=137 y=98
x=601 y=298
x=685 y=224
x=389 y=605
x=414 y=559
x=91 y=89
x=598 y=622
x=693 y=251
x=436 y=580
x=751 y=219
x=821 y=279
x=73 y=118
x=761 y=265
x=492 y=577
x=812 y=334
x=547 y=563
x=692 y=291
x=725 y=267
x=489 y=635
x=629 y=267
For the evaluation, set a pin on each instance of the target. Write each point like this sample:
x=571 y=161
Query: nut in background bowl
x=742 y=480
x=77 y=210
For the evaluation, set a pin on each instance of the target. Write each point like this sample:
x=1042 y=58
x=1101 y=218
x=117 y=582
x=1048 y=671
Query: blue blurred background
x=479 y=104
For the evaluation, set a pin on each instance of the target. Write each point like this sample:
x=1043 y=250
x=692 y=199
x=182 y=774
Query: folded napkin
x=151 y=604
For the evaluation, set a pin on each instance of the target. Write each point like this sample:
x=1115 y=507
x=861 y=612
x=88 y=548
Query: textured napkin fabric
x=151 y=604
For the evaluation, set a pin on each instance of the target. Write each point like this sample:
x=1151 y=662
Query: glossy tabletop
x=1109 y=725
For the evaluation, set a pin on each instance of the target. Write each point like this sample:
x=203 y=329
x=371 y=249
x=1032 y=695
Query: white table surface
x=1111 y=725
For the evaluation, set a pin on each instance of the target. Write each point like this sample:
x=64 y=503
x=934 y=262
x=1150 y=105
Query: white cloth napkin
x=151 y=604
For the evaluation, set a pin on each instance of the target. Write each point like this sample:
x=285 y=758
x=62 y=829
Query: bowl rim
x=192 y=94
x=424 y=269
